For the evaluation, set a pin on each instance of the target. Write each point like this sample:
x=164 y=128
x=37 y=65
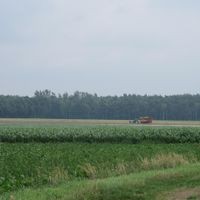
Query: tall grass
x=168 y=160
x=151 y=185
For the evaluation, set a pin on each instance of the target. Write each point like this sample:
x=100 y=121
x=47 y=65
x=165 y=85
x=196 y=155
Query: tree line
x=82 y=105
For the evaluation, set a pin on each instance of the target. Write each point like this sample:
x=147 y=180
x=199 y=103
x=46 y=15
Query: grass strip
x=143 y=185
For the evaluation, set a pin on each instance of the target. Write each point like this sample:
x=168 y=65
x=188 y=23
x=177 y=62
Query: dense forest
x=81 y=105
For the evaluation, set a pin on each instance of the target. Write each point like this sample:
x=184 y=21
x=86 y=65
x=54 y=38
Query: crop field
x=55 y=159
x=100 y=134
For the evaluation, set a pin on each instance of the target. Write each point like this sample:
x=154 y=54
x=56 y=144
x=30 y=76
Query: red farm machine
x=141 y=120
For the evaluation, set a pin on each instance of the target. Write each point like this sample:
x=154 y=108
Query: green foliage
x=36 y=164
x=77 y=152
x=100 y=134
x=148 y=185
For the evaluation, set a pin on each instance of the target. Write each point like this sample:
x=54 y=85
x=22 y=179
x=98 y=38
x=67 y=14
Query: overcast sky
x=100 y=46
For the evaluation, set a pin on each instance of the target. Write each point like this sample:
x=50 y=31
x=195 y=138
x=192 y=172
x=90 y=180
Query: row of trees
x=81 y=105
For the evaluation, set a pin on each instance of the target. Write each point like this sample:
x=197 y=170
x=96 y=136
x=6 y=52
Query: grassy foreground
x=37 y=164
x=151 y=185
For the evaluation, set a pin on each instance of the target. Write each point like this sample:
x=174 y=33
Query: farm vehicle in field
x=141 y=120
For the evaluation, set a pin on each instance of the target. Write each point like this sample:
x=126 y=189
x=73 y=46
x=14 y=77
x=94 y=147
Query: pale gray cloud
x=107 y=46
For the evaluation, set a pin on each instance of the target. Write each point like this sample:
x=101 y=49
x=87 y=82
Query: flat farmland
x=98 y=159
x=63 y=122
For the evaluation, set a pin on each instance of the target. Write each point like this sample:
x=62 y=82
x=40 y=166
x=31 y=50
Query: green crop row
x=100 y=134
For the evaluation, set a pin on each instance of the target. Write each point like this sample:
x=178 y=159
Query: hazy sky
x=100 y=46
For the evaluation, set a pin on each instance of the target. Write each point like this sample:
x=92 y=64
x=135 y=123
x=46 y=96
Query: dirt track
x=156 y=123
x=184 y=194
